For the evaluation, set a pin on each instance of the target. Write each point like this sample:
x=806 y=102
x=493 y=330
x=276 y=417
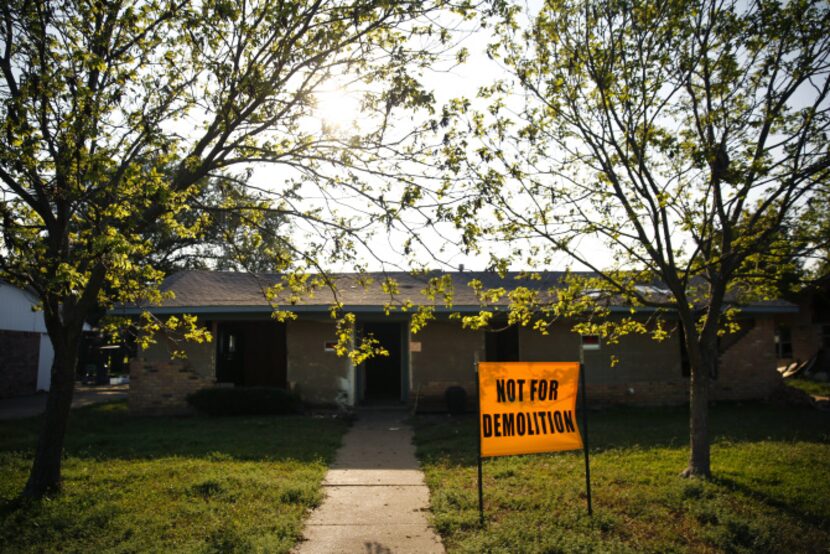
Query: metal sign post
x=528 y=408
x=480 y=485
x=584 y=402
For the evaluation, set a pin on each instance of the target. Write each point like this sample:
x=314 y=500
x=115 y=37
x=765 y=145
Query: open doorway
x=382 y=375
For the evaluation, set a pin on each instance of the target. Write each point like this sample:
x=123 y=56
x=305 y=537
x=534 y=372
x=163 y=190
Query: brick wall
x=19 y=353
x=161 y=387
x=319 y=377
x=445 y=359
x=804 y=331
x=748 y=369
x=648 y=374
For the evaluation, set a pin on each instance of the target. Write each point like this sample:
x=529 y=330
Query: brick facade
x=809 y=329
x=445 y=359
x=648 y=373
x=748 y=369
x=161 y=387
x=19 y=357
x=636 y=371
x=318 y=376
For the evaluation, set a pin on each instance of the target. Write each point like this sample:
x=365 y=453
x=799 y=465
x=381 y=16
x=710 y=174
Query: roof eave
x=376 y=309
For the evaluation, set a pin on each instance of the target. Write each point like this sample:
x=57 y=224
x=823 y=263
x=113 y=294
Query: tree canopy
x=661 y=145
x=118 y=118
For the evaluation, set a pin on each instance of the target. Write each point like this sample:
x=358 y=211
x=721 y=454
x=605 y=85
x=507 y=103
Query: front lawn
x=771 y=491
x=147 y=484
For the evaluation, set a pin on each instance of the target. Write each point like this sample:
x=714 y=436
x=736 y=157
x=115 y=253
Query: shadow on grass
x=107 y=431
x=453 y=439
x=773 y=502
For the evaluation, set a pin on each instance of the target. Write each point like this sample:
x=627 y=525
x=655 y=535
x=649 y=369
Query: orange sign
x=528 y=407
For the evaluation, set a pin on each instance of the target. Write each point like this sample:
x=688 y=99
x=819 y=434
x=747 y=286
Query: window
x=228 y=363
x=783 y=342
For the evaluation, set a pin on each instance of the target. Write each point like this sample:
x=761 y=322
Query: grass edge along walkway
x=771 y=491
x=185 y=484
x=375 y=493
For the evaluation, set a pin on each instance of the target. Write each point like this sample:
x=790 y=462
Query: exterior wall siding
x=559 y=345
x=319 y=377
x=445 y=359
x=650 y=372
x=805 y=333
x=647 y=373
x=18 y=315
x=160 y=385
x=748 y=369
x=201 y=358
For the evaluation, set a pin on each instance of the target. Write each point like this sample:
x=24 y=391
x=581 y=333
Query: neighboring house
x=25 y=349
x=250 y=348
x=804 y=335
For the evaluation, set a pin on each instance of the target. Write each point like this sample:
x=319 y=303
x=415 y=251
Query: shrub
x=245 y=401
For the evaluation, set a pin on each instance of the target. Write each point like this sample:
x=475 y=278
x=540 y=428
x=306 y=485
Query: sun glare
x=338 y=110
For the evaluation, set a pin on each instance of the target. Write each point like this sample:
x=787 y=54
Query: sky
x=448 y=80
x=338 y=107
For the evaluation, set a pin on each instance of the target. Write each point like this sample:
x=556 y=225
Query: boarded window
x=502 y=345
x=252 y=353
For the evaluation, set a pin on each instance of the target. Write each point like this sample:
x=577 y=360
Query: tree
x=116 y=115
x=231 y=238
x=814 y=230
x=682 y=138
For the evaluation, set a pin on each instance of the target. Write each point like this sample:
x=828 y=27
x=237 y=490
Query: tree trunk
x=699 y=425
x=702 y=365
x=45 y=477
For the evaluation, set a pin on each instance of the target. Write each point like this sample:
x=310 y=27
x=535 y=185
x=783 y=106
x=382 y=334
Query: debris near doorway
x=801 y=392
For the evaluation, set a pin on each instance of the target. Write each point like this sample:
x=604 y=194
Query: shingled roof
x=199 y=291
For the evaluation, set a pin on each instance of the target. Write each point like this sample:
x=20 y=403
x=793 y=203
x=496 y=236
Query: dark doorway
x=251 y=354
x=382 y=374
x=502 y=345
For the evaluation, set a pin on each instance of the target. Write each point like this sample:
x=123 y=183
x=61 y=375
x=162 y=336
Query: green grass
x=148 y=484
x=770 y=493
x=815 y=388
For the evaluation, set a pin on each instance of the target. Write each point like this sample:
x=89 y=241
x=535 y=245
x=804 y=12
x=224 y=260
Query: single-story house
x=25 y=349
x=250 y=348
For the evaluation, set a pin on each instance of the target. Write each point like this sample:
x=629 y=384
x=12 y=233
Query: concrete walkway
x=376 y=499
